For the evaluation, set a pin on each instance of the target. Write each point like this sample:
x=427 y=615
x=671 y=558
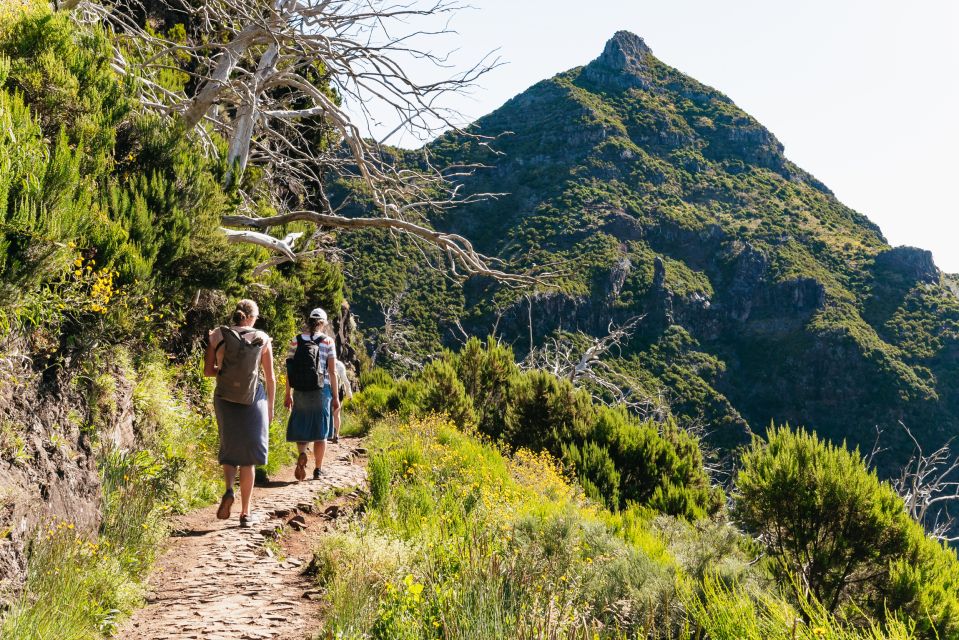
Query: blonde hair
x=245 y=309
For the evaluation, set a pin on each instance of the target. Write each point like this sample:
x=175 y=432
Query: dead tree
x=269 y=76
x=929 y=485
x=393 y=341
x=585 y=367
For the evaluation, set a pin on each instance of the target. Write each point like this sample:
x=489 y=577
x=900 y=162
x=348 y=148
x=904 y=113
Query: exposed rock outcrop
x=622 y=64
x=48 y=468
x=910 y=263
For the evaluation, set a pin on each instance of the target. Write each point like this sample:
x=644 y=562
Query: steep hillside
x=765 y=298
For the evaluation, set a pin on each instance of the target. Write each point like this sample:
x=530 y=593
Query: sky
x=863 y=94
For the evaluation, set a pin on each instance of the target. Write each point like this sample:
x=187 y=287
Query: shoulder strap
x=224 y=331
x=234 y=334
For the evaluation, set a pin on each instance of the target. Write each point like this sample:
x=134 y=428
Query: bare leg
x=246 y=488
x=319 y=450
x=336 y=422
x=300 y=472
x=229 y=476
x=226 y=503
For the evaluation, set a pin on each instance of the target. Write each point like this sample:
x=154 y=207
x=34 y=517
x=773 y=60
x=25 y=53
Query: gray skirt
x=244 y=430
x=310 y=419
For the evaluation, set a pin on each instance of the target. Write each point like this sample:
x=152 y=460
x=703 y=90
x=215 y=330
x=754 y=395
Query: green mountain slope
x=765 y=298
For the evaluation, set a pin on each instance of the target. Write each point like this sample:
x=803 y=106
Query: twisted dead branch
x=929 y=485
x=587 y=368
x=292 y=85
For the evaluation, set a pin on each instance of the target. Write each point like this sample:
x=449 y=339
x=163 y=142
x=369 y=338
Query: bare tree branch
x=929 y=485
x=288 y=84
x=586 y=368
x=463 y=257
x=393 y=340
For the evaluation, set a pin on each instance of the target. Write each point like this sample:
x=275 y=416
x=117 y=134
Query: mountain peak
x=625 y=51
x=623 y=62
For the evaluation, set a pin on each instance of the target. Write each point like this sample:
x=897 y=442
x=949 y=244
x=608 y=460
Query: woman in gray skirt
x=244 y=409
x=311 y=377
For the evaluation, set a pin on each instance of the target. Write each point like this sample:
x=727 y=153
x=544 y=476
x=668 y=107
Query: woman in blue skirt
x=311 y=377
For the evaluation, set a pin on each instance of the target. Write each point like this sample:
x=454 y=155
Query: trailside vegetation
x=112 y=267
x=618 y=458
x=843 y=536
x=461 y=539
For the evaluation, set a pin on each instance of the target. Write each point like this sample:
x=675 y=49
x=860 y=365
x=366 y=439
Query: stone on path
x=217 y=580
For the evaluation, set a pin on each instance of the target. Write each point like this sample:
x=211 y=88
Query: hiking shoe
x=317 y=473
x=244 y=521
x=300 y=472
x=226 y=503
x=335 y=439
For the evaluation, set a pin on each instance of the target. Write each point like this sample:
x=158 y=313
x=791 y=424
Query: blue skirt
x=311 y=419
x=244 y=430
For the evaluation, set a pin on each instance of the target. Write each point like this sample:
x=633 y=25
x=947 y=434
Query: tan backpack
x=239 y=373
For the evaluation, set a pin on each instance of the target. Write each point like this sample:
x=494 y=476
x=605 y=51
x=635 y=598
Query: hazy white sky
x=864 y=94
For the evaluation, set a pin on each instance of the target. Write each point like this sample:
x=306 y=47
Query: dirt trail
x=218 y=581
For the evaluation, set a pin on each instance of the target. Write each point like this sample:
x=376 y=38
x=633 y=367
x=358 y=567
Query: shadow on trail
x=190 y=533
x=276 y=484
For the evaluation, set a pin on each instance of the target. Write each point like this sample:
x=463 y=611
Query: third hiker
x=344 y=392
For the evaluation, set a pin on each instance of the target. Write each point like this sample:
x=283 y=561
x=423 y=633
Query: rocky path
x=218 y=581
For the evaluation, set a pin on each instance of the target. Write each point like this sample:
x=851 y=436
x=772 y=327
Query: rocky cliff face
x=764 y=296
x=48 y=469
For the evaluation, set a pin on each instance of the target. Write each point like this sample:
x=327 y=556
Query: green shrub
x=924 y=584
x=827 y=519
x=829 y=523
x=547 y=411
x=381 y=398
x=617 y=458
x=487 y=372
x=379 y=476
x=595 y=470
x=444 y=393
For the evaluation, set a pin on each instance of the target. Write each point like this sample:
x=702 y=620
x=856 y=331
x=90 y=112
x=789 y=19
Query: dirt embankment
x=47 y=465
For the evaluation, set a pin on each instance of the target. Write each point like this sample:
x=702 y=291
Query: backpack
x=239 y=374
x=304 y=370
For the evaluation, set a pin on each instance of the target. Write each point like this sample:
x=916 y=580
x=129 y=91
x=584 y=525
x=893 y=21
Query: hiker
x=244 y=409
x=310 y=379
x=345 y=389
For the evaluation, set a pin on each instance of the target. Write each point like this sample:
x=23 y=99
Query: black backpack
x=304 y=370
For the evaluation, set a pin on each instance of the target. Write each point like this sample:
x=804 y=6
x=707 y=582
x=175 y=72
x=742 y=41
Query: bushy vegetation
x=844 y=536
x=837 y=554
x=112 y=268
x=463 y=540
x=618 y=459
x=109 y=218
